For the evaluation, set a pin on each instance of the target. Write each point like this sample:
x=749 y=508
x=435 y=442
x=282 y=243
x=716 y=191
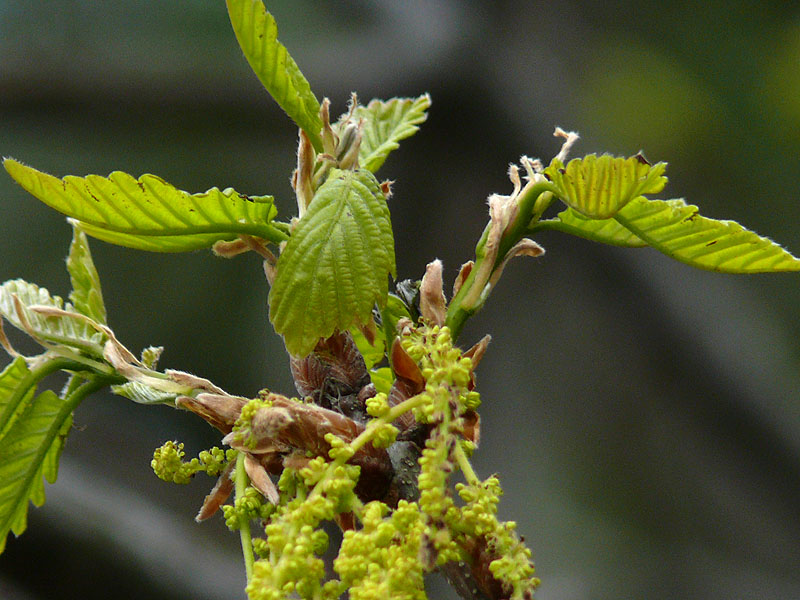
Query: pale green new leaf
x=86 y=295
x=385 y=124
x=149 y=213
x=143 y=393
x=257 y=34
x=372 y=353
x=335 y=266
x=382 y=379
x=599 y=187
x=61 y=329
x=676 y=229
x=606 y=231
x=29 y=452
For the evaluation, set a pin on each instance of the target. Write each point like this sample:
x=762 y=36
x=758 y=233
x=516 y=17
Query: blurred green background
x=644 y=417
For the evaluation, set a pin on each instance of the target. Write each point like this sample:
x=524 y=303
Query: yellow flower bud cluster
x=242 y=428
x=477 y=519
x=450 y=528
x=247 y=507
x=446 y=372
x=378 y=405
x=168 y=463
x=446 y=397
x=388 y=554
x=381 y=560
x=291 y=563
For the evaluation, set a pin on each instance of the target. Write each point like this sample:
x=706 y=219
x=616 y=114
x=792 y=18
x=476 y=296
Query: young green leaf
x=29 y=451
x=372 y=353
x=334 y=268
x=86 y=294
x=385 y=124
x=16 y=298
x=149 y=213
x=598 y=188
x=606 y=231
x=391 y=314
x=257 y=34
x=382 y=379
x=10 y=380
x=676 y=229
x=143 y=393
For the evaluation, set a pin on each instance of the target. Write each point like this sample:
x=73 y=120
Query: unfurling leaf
x=149 y=213
x=385 y=124
x=335 y=266
x=18 y=296
x=86 y=294
x=257 y=34
x=599 y=187
x=606 y=231
x=676 y=229
x=142 y=393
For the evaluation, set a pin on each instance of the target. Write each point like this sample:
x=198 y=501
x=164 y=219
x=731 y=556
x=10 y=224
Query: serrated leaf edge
x=764 y=254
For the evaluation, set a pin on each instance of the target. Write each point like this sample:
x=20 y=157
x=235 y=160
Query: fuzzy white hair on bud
x=570 y=137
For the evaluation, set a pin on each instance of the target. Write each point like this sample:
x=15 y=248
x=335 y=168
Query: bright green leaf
x=86 y=294
x=29 y=452
x=599 y=187
x=676 y=229
x=607 y=231
x=149 y=213
x=385 y=124
x=257 y=33
x=63 y=329
x=10 y=380
x=335 y=266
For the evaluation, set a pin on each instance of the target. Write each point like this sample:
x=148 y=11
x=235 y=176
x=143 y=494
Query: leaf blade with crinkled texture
x=335 y=266
x=69 y=330
x=257 y=34
x=598 y=187
x=385 y=124
x=149 y=213
x=679 y=231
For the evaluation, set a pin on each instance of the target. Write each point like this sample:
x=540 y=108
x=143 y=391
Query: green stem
x=76 y=396
x=241 y=481
x=368 y=433
x=32 y=379
x=465 y=466
x=531 y=203
x=74 y=383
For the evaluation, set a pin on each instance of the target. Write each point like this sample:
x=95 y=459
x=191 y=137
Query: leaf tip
x=10 y=163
